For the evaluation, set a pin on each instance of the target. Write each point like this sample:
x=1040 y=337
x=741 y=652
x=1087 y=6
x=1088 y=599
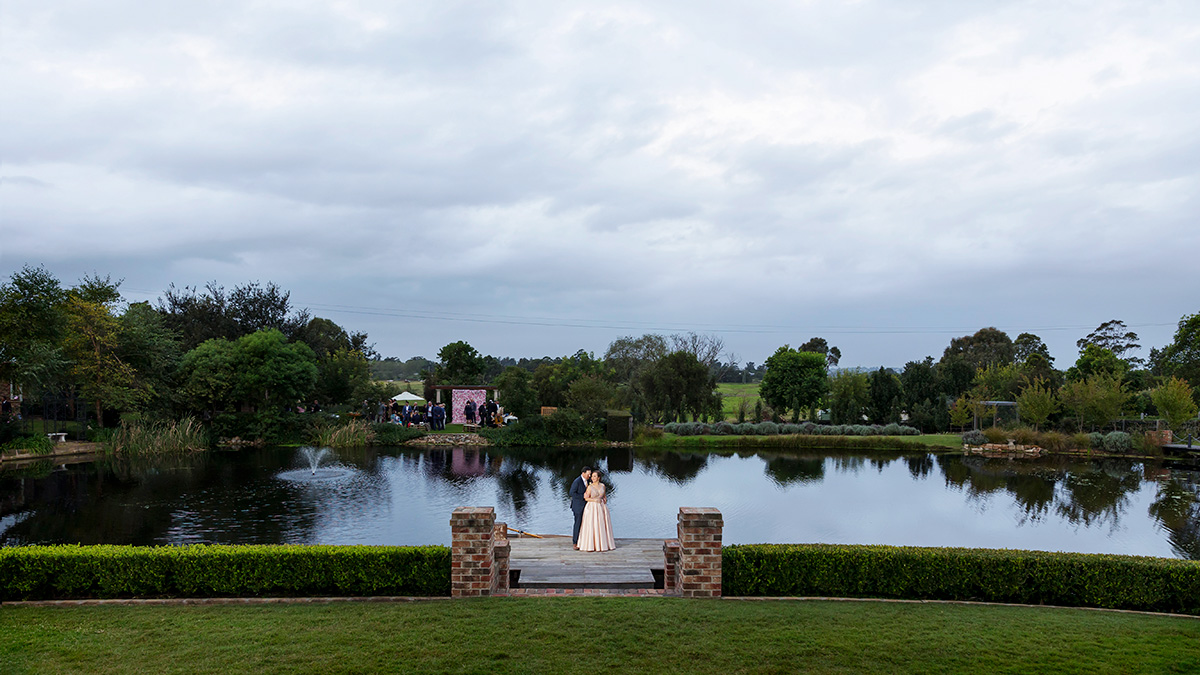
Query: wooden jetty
x=553 y=562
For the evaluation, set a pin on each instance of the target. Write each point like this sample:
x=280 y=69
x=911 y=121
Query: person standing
x=595 y=533
x=579 y=501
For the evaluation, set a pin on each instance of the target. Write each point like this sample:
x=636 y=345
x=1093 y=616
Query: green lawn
x=807 y=442
x=617 y=635
x=732 y=394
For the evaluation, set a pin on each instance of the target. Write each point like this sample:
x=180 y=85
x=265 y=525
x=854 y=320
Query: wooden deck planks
x=553 y=563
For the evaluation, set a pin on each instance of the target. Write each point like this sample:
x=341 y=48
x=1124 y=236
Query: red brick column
x=500 y=551
x=699 y=570
x=671 y=567
x=471 y=551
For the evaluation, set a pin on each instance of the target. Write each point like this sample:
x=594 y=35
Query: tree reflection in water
x=785 y=470
x=1177 y=507
x=1094 y=497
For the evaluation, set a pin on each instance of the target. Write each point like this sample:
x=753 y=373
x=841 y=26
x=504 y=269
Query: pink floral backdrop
x=459 y=398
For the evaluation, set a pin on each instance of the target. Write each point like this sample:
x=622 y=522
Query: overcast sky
x=540 y=177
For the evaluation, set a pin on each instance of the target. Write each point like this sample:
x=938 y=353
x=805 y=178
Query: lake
x=404 y=496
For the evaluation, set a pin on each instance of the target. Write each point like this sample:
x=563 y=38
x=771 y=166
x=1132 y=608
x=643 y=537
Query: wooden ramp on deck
x=553 y=563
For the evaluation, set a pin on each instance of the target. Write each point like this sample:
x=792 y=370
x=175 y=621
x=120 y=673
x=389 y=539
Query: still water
x=404 y=496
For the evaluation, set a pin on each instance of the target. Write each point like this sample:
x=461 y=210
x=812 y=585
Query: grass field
x=807 y=442
x=734 y=393
x=619 y=635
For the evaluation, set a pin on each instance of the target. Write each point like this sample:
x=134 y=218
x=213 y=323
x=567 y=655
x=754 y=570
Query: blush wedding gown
x=595 y=534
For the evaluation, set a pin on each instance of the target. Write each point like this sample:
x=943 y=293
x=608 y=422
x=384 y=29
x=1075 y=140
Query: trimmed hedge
x=988 y=575
x=202 y=571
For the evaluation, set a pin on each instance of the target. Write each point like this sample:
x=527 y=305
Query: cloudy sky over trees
x=537 y=177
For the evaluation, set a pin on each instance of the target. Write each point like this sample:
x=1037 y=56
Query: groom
x=578 y=487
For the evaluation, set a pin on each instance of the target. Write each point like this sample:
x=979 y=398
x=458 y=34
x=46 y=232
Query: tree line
x=211 y=351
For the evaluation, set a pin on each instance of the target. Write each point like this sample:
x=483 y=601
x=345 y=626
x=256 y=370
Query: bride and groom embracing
x=593 y=528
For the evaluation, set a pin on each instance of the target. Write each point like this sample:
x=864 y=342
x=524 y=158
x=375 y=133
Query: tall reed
x=157 y=438
x=353 y=434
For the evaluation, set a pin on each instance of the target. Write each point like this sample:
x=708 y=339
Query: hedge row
x=200 y=571
x=772 y=429
x=1006 y=576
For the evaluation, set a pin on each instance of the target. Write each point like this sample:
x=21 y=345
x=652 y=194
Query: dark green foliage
x=562 y=426
x=1028 y=577
x=568 y=425
x=199 y=571
x=393 y=434
x=885 y=397
x=795 y=380
x=37 y=444
x=527 y=432
x=515 y=390
x=460 y=364
x=987 y=347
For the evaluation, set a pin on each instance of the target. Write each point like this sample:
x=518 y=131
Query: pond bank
x=65 y=449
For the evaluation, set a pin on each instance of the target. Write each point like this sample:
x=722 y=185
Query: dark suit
x=577 y=503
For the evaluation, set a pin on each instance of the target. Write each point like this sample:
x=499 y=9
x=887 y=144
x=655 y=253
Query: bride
x=595 y=534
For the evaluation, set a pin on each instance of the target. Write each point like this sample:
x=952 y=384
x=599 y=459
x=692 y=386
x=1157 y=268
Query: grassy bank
x=805 y=442
x=628 y=635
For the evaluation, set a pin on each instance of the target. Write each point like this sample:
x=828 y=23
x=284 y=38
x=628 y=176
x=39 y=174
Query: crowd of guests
x=431 y=414
x=490 y=414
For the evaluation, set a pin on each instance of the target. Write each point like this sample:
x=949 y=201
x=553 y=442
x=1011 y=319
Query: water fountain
x=310 y=459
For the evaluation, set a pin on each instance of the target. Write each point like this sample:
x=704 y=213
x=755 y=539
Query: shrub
x=528 y=432
x=199 y=571
x=38 y=445
x=1081 y=440
x=745 y=429
x=385 y=433
x=1024 y=436
x=974 y=437
x=768 y=428
x=1054 y=441
x=790 y=428
x=1027 y=577
x=721 y=428
x=644 y=432
x=1096 y=440
x=995 y=435
x=1117 y=441
x=568 y=425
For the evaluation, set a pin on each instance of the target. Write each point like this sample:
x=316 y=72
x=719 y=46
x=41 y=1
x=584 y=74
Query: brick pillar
x=471 y=551
x=671 y=567
x=699 y=571
x=500 y=551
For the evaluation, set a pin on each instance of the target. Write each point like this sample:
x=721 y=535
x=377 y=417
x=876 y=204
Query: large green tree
x=885 y=397
x=260 y=371
x=1175 y=402
x=849 y=396
x=93 y=345
x=678 y=384
x=33 y=323
x=1181 y=357
x=1116 y=337
x=1036 y=403
x=514 y=392
x=460 y=364
x=794 y=380
x=988 y=346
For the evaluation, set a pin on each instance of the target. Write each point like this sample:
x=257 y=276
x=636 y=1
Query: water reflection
x=404 y=496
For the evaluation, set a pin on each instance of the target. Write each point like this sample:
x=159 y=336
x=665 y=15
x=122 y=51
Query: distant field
x=732 y=394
